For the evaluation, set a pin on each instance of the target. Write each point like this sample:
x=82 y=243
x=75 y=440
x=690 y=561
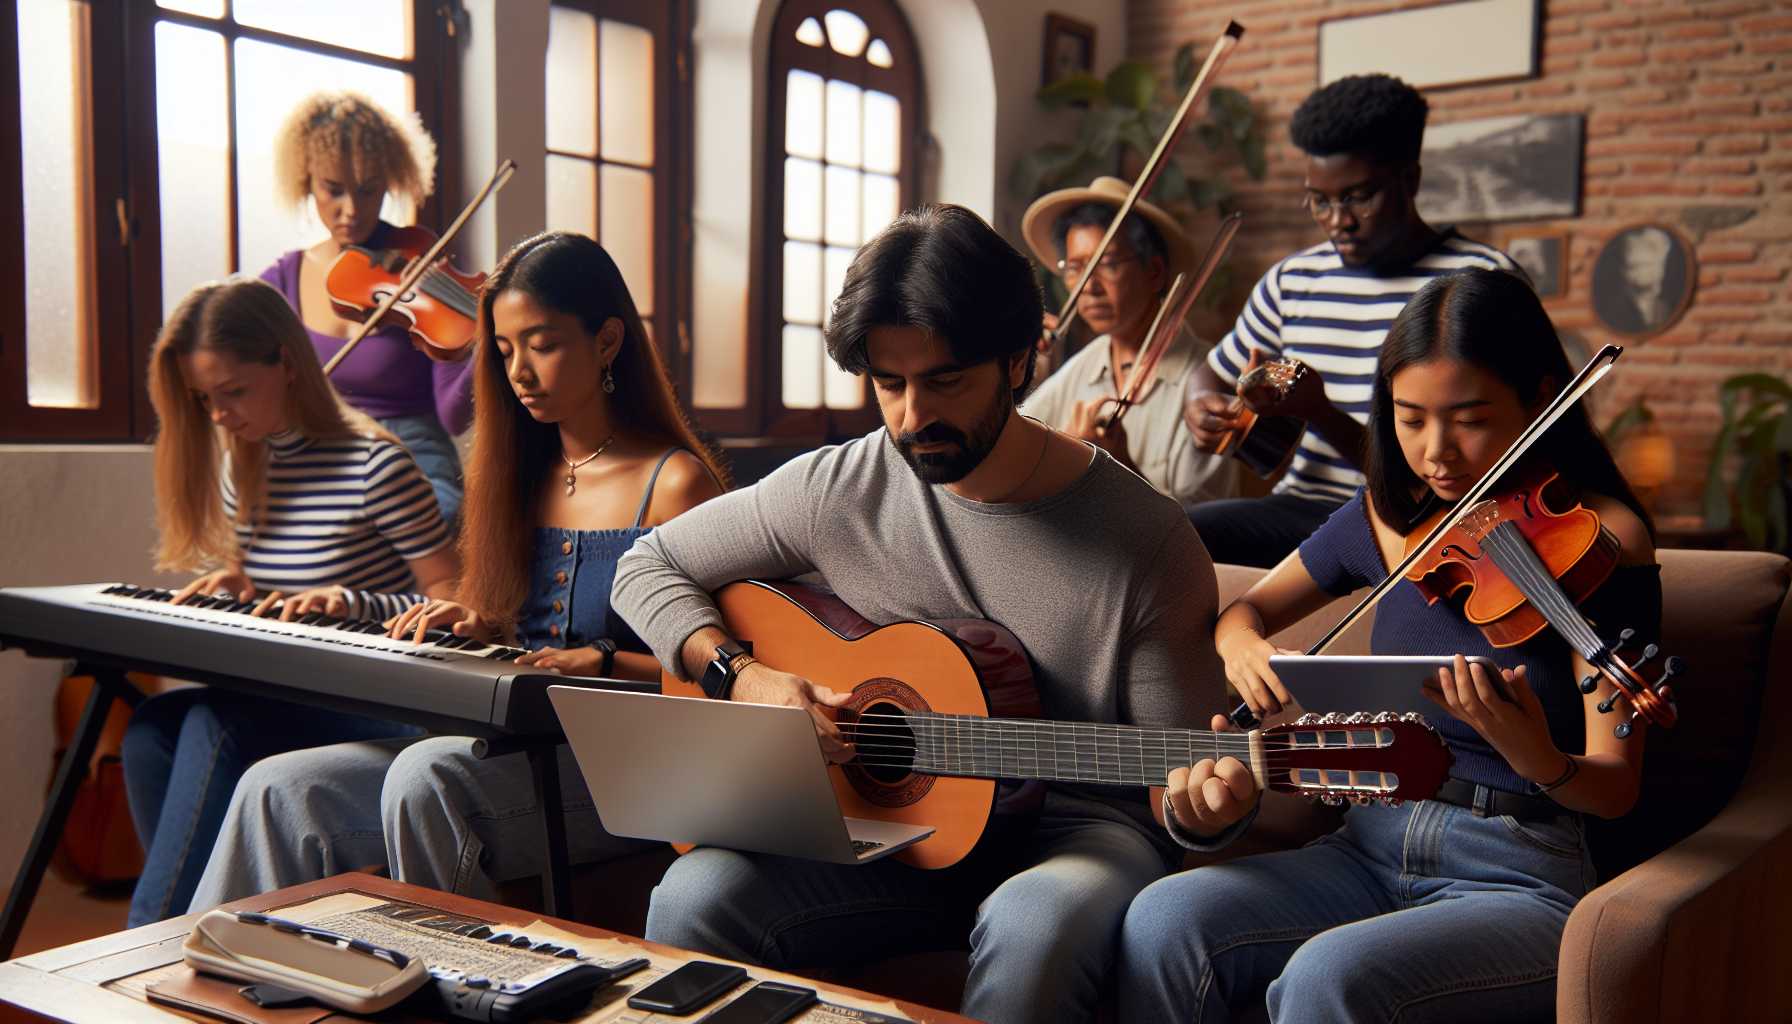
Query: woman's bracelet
x=608 y=646
x=1569 y=772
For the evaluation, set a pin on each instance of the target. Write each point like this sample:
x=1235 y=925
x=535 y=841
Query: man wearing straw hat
x=1063 y=229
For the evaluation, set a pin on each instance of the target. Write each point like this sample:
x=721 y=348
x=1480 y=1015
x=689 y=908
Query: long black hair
x=1492 y=320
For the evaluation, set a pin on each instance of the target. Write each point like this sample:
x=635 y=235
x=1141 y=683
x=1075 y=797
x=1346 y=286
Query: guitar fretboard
x=1061 y=751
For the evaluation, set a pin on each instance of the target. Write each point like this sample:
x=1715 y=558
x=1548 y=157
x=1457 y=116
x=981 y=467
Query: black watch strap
x=608 y=647
x=718 y=677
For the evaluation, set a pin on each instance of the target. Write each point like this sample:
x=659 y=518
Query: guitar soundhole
x=876 y=720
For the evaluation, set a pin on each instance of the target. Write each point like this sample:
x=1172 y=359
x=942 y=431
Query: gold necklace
x=572 y=467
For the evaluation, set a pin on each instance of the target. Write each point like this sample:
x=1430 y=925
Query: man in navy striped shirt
x=1328 y=306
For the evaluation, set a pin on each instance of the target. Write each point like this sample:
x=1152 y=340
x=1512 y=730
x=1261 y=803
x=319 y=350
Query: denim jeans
x=1043 y=938
x=1417 y=913
x=440 y=818
x=1257 y=531
x=183 y=753
x=432 y=449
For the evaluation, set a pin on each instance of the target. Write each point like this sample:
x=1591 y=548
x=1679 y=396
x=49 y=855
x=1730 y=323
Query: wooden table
x=69 y=983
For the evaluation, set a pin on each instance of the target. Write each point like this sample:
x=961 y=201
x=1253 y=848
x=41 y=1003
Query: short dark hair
x=1493 y=320
x=1377 y=117
x=1141 y=235
x=941 y=268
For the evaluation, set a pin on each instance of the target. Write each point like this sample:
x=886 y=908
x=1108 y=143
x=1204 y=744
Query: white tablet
x=1375 y=682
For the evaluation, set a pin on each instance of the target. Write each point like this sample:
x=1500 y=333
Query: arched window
x=844 y=113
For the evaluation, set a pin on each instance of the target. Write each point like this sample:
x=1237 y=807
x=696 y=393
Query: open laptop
x=716 y=773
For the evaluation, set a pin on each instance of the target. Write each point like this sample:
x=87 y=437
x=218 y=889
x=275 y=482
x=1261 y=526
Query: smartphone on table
x=768 y=1002
x=688 y=987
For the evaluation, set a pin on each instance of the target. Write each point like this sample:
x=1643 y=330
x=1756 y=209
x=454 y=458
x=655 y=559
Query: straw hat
x=1037 y=224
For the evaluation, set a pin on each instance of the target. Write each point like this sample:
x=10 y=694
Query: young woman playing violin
x=580 y=447
x=344 y=154
x=1433 y=910
x=307 y=498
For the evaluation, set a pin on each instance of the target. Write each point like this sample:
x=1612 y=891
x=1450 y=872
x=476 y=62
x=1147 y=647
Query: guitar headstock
x=1358 y=757
x=1278 y=375
x=1649 y=702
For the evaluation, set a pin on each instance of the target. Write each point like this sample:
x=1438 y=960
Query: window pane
x=802 y=367
x=270 y=81
x=802 y=115
x=834 y=263
x=802 y=199
x=843 y=123
x=847 y=32
x=843 y=205
x=203 y=8
x=842 y=390
x=193 y=158
x=879 y=54
x=572 y=81
x=375 y=26
x=802 y=283
x=55 y=123
x=627 y=91
x=883 y=133
x=572 y=195
x=809 y=33
x=626 y=197
x=882 y=202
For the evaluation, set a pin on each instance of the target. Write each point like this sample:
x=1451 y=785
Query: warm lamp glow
x=1646 y=458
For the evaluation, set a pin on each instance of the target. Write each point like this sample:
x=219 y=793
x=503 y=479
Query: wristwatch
x=718 y=678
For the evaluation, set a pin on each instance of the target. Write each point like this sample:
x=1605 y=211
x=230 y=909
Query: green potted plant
x=1757 y=436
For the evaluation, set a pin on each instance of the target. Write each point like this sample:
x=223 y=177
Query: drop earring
x=609 y=382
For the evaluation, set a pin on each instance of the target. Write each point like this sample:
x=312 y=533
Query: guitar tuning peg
x=1384 y=717
x=1331 y=800
x=1307 y=719
x=1412 y=716
x=1591 y=683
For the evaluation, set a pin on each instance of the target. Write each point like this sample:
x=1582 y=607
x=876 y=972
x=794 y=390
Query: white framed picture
x=1434 y=47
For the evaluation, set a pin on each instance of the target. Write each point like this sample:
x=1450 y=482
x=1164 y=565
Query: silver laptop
x=716 y=773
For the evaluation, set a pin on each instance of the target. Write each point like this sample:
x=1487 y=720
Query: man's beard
x=966 y=453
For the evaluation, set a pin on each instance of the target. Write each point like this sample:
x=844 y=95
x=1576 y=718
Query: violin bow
x=1583 y=382
x=422 y=264
x=1222 y=48
x=1176 y=305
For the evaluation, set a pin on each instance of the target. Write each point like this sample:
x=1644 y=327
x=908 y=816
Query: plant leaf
x=1171 y=185
x=1033 y=174
x=1256 y=162
x=1101 y=130
x=1079 y=88
x=1185 y=68
x=1132 y=84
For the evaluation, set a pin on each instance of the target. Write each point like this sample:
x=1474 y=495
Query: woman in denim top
x=1450 y=908
x=579 y=448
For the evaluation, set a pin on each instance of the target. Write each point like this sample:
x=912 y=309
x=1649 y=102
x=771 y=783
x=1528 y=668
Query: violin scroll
x=1652 y=703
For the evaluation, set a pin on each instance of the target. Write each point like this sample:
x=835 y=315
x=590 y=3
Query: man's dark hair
x=1377 y=117
x=940 y=268
x=1141 y=236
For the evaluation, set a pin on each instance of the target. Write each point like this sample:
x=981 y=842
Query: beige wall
x=67 y=515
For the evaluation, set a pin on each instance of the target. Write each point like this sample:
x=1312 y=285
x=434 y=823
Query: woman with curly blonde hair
x=344 y=154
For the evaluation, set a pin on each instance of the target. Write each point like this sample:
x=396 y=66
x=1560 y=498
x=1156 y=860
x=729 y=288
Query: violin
x=1522 y=561
x=440 y=311
x=410 y=283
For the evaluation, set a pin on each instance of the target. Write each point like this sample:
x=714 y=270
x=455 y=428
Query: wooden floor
x=65 y=912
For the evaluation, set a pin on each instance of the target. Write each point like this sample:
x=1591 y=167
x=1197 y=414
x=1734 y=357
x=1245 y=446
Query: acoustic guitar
x=940 y=711
x=1265 y=443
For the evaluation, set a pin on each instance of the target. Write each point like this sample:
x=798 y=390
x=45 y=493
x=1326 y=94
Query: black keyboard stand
x=544 y=766
x=110 y=684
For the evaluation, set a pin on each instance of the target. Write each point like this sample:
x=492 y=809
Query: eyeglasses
x=1358 y=204
x=1108 y=270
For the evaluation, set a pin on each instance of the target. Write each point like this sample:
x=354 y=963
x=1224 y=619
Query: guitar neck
x=1010 y=748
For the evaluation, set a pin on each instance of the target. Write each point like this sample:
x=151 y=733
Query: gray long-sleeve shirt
x=1105 y=583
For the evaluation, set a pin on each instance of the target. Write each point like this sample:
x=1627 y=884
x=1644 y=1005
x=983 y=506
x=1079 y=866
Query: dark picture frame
x=1544 y=256
x=1643 y=279
x=1069 y=49
x=1519 y=167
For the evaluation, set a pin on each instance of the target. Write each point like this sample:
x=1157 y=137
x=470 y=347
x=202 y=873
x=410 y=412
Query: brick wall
x=1688 y=123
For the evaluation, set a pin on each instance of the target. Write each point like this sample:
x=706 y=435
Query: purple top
x=385 y=376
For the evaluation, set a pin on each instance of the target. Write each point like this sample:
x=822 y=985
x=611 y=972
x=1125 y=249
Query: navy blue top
x=570 y=580
x=1342 y=556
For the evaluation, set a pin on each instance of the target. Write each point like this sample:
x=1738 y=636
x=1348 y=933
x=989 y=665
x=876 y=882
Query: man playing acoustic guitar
x=958 y=508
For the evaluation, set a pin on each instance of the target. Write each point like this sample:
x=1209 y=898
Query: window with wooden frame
x=147 y=133
x=844 y=99
x=615 y=138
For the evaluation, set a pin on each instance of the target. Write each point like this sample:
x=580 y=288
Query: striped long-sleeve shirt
x=345 y=512
x=1313 y=308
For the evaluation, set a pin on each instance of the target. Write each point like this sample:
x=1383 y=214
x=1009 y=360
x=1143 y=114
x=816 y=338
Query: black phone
x=765 y=1003
x=688 y=987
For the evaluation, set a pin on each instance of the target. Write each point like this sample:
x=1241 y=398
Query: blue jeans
x=183 y=754
x=1418 y=913
x=432 y=449
x=1257 y=531
x=1043 y=938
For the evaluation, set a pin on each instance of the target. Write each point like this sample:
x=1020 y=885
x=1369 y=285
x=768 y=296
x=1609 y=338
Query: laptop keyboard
x=864 y=846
